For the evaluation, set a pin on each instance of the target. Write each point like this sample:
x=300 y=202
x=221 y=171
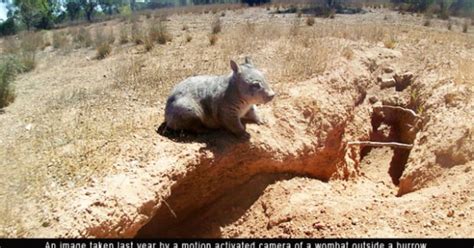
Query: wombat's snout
x=270 y=96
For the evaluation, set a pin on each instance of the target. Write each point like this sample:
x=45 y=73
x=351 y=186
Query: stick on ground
x=380 y=144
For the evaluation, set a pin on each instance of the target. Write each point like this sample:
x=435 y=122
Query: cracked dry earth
x=297 y=176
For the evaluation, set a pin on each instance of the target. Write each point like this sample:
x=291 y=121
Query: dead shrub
x=213 y=39
x=465 y=26
x=123 y=36
x=148 y=44
x=390 y=42
x=103 y=41
x=29 y=44
x=103 y=50
x=188 y=38
x=158 y=32
x=295 y=28
x=347 y=53
x=59 y=39
x=137 y=33
x=82 y=37
x=310 y=20
x=216 y=26
x=427 y=22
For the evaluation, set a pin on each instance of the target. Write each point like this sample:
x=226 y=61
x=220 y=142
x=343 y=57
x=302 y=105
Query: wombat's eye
x=256 y=85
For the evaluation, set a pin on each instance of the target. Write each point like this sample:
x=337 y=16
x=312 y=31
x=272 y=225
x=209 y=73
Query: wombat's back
x=193 y=101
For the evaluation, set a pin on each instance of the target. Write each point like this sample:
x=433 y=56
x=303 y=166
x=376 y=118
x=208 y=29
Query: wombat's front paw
x=260 y=121
x=244 y=136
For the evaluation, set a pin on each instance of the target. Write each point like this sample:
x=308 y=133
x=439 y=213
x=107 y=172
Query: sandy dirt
x=297 y=176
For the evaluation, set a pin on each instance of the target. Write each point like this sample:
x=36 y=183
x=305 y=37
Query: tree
x=109 y=6
x=27 y=11
x=36 y=13
x=73 y=8
x=89 y=8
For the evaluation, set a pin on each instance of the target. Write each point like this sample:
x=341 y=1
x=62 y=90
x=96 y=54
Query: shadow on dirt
x=205 y=222
x=190 y=137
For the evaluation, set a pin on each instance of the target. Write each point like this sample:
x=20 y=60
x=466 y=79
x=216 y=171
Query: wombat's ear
x=234 y=66
x=248 y=60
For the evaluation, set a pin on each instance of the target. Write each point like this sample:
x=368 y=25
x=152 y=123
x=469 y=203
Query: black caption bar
x=237 y=243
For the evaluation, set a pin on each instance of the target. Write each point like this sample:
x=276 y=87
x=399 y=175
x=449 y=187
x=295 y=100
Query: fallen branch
x=409 y=111
x=379 y=144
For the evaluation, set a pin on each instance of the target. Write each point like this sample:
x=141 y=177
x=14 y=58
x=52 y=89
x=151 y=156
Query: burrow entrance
x=394 y=124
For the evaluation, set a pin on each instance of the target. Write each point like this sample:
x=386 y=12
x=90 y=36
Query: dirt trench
x=235 y=178
x=235 y=184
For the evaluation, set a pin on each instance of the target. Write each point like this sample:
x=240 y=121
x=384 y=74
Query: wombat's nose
x=271 y=95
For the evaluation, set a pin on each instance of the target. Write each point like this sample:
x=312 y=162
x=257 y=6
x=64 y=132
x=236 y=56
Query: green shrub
x=8 y=70
x=8 y=27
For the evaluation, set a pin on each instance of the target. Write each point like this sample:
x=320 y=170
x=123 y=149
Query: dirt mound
x=269 y=185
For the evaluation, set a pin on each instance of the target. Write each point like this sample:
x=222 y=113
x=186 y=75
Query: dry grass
x=158 y=32
x=465 y=73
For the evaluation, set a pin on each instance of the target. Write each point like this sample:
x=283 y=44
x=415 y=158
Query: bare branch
x=171 y=210
x=379 y=144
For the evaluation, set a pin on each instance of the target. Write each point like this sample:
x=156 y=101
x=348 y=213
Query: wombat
x=200 y=103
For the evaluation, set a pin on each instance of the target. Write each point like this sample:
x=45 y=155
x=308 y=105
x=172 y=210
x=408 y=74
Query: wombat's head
x=251 y=83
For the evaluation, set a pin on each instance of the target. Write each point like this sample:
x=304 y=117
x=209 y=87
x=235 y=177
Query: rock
x=387 y=83
x=373 y=99
x=388 y=69
x=450 y=213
